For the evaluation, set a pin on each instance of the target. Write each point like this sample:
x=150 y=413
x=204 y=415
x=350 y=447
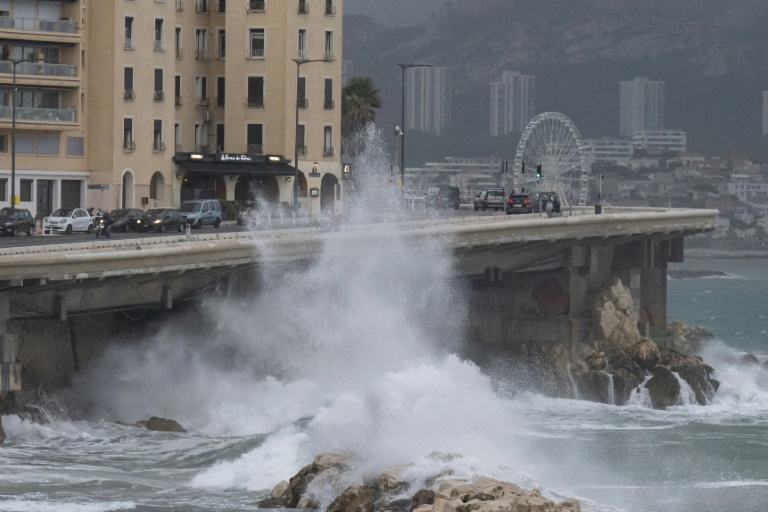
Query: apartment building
x=428 y=99
x=134 y=103
x=513 y=103
x=618 y=151
x=659 y=141
x=642 y=104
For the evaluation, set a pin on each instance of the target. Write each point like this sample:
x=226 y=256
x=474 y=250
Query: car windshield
x=118 y=213
x=63 y=212
x=498 y=193
x=433 y=191
x=190 y=207
x=7 y=213
x=154 y=212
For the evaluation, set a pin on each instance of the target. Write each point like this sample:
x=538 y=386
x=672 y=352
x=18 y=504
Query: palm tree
x=359 y=100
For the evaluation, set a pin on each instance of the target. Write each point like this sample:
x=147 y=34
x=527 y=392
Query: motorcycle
x=102 y=228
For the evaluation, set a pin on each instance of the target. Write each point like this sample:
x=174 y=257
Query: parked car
x=13 y=220
x=121 y=219
x=200 y=212
x=518 y=203
x=543 y=196
x=159 y=219
x=490 y=198
x=67 y=220
x=443 y=196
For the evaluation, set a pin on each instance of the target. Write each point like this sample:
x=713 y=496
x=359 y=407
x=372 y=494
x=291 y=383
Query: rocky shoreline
x=330 y=482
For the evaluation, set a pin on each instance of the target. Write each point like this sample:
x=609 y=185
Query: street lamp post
x=298 y=62
x=403 y=67
x=15 y=62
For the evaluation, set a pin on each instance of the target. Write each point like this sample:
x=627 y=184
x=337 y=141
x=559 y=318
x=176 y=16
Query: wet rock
x=421 y=498
x=298 y=484
x=749 y=359
x=570 y=505
x=391 y=479
x=645 y=353
x=430 y=480
x=613 y=314
x=280 y=490
x=593 y=386
x=663 y=388
x=624 y=382
x=33 y=415
x=356 y=498
x=161 y=425
x=401 y=505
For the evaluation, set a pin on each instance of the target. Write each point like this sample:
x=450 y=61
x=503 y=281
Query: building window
x=157 y=136
x=255 y=97
x=159 y=39
x=303 y=7
x=129 y=43
x=220 y=138
x=330 y=9
x=302 y=46
x=3 y=143
x=128 y=144
x=328 y=45
x=177 y=43
x=25 y=144
x=255 y=138
x=327 y=141
x=257 y=6
x=48 y=145
x=177 y=90
x=201 y=44
x=201 y=91
x=222 y=6
x=201 y=6
x=328 y=94
x=201 y=138
x=159 y=93
x=75 y=146
x=25 y=190
x=220 y=91
x=256 y=43
x=301 y=147
x=222 y=44
x=3 y=189
x=301 y=96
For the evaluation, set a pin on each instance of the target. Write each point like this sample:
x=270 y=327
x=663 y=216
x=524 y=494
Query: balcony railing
x=159 y=45
x=302 y=150
x=158 y=146
x=129 y=95
x=202 y=102
x=179 y=5
x=15 y=23
x=63 y=115
x=301 y=54
x=178 y=101
x=256 y=148
x=329 y=105
x=302 y=102
x=328 y=54
x=179 y=53
x=328 y=151
x=330 y=10
x=39 y=69
x=254 y=102
x=303 y=8
x=129 y=145
x=257 y=6
x=201 y=55
x=129 y=45
x=254 y=53
x=220 y=101
x=159 y=96
x=201 y=148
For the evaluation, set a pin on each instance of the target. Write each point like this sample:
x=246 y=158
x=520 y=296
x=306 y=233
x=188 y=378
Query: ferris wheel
x=550 y=157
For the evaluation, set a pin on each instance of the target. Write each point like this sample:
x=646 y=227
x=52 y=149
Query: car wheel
x=90 y=229
x=199 y=224
x=217 y=222
x=68 y=230
x=161 y=228
x=29 y=232
x=13 y=231
x=124 y=229
x=476 y=208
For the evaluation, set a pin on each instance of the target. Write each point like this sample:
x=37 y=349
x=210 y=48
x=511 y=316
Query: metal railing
x=220 y=101
x=129 y=145
x=303 y=8
x=201 y=148
x=202 y=102
x=158 y=146
x=129 y=95
x=159 y=45
x=159 y=96
x=39 y=69
x=255 y=54
x=329 y=104
x=330 y=10
x=328 y=151
x=302 y=150
x=128 y=44
x=63 y=115
x=179 y=53
x=178 y=102
x=201 y=54
x=257 y=6
x=328 y=54
x=257 y=149
x=254 y=102
x=302 y=102
x=17 y=23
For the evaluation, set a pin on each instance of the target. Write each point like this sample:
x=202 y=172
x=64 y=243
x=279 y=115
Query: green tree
x=359 y=101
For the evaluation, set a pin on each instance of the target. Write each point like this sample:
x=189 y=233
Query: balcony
x=329 y=105
x=220 y=101
x=254 y=102
x=59 y=115
x=256 y=149
x=201 y=55
x=159 y=45
x=129 y=44
x=158 y=146
x=34 y=24
x=178 y=101
x=255 y=54
x=202 y=102
x=129 y=95
x=179 y=53
x=129 y=145
x=330 y=10
x=328 y=151
x=302 y=150
x=256 y=6
x=39 y=69
x=302 y=102
x=159 y=96
x=301 y=54
x=303 y=8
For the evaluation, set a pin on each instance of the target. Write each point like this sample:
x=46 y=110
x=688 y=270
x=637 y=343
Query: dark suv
x=490 y=198
x=518 y=203
x=443 y=196
x=13 y=220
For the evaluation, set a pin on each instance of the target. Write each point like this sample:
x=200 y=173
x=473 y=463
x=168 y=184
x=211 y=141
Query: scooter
x=102 y=229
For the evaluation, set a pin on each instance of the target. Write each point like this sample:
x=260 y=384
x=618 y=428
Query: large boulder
x=663 y=388
x=297 y=485
x=694 y=371
x=613 y=315
x=356 y=498
x=645 y=353
x=593 y=386
x=161 y=425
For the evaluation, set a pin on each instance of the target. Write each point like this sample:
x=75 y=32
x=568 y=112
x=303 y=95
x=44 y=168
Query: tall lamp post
x=15 y=63
x=403 y=67
x=299 y=62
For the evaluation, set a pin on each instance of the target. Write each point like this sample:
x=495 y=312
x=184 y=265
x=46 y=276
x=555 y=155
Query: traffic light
x=538 y=171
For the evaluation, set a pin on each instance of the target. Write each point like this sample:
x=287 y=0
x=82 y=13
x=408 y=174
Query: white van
x=200 y=212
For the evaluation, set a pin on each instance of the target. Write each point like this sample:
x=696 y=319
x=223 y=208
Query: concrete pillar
x=10 y=370
x=578 y=290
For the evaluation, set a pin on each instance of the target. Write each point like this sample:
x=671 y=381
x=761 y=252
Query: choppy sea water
x=369 y=377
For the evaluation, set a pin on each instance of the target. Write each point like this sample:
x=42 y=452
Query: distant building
x=658 y=141
x=765 y=112
x=641 y=106
x=745 y=187
x=346 y=71
x=469 y=174
x=427 y=99
x=617 y=151
x=512 y=103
